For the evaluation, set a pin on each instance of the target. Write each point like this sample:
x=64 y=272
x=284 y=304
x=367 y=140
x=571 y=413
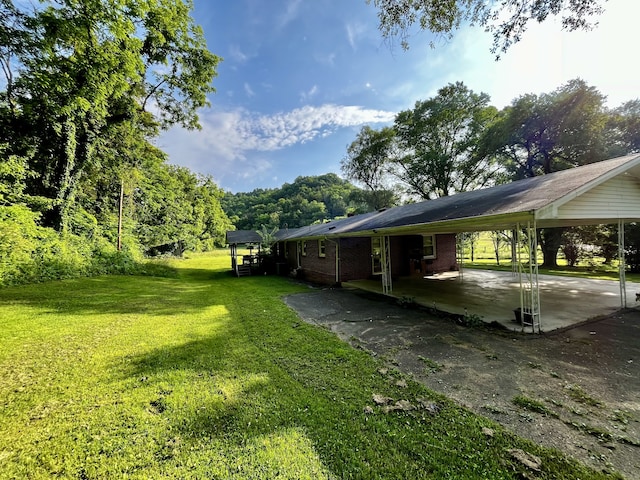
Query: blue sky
x=300 y=78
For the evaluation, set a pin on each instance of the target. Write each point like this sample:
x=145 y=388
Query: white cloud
x=228 y=139
x=238 y=55
x=289 y=14
x=306 y=96
x=354 y=32
x=248 y=90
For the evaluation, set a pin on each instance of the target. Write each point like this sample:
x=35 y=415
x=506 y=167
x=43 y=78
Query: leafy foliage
x=31 y=253
x=506 y=20
x=305 y=201
x=87 y=86
x=438 y=143
x=367 y=162
x=540 y=134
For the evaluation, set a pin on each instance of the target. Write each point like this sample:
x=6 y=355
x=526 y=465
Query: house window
x=376 y=255
x=304 y=248
x=429 y=246
x=321 y=248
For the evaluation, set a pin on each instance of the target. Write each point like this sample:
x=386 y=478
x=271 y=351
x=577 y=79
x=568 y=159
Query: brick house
x=332 y=261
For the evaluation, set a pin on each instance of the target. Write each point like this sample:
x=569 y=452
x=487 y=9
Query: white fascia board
x=551 y=211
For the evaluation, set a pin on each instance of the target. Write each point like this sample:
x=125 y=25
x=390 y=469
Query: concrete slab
x=493 y=295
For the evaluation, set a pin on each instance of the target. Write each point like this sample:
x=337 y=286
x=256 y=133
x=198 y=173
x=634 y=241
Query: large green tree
x=438 y=143
x=540 y=134
x=367 y=162
x=78 y=67
x=507 y=20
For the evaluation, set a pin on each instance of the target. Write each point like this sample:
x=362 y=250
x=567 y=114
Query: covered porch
x=494 y=295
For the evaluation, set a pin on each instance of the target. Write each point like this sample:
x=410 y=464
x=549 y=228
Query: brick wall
x=320 y=269
x=445 y=253
x=355 y=258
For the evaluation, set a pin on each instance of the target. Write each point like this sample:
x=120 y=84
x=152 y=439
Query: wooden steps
x=243 y=270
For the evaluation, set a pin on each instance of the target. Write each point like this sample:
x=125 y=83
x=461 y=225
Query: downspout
x=337 y=244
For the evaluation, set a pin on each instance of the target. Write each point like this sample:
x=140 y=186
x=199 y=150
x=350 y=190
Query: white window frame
x=428 y=241
x=377 y=240
x=322 y=245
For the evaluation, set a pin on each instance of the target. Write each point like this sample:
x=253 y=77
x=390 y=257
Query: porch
x=494 y=295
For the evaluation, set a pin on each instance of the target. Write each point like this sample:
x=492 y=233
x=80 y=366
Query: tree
x=540 y=134
x=85 y=65
x=367 y=162
x=623 y=129
x=499 y=238
x=438 y=143
x=632 y=246
x=507 y=20
x=172 y=204
x=307 y=200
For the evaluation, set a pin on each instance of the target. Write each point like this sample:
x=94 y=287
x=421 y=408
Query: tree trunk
x=550 y=240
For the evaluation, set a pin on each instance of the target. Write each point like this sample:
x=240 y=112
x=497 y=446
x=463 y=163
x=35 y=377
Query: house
x=420 y=239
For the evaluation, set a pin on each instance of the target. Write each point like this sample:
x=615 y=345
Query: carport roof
x=495 y=208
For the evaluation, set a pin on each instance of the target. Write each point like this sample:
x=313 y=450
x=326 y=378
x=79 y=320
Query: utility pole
x=120 y=215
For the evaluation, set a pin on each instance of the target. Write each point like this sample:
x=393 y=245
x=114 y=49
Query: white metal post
x=460 y=255
x=621 y=265
x=529 y=285
x=385 y=247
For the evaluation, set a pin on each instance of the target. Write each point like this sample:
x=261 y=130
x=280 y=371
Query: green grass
x=210 y=376
x=484 y=258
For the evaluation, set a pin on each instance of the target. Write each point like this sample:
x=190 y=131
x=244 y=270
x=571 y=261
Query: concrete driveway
x=493 y=295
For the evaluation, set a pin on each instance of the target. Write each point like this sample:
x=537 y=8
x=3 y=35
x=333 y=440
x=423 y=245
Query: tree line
x=457 y=141
x=308 y=200
x=87 y=86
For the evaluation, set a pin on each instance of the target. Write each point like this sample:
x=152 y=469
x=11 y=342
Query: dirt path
x=577 y=390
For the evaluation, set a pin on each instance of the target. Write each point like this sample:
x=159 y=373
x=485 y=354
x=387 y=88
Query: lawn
x=484 y=258
x=209 y=376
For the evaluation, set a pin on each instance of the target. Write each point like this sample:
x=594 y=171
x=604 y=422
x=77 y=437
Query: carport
x=494 y=295
x=606 y=192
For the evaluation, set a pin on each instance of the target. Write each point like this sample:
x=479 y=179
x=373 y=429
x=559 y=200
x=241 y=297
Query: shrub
x=30 y=253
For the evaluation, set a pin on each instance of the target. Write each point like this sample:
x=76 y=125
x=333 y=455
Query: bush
x=30 y=253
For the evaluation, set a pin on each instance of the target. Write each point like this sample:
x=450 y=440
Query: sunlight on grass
x=210 y=376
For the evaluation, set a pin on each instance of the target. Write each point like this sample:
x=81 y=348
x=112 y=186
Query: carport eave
x=474 y=224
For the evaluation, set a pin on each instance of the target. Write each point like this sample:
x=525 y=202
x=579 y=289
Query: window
x=321 y=248
x=376 y=255
x=429 y=246
x=304 y=248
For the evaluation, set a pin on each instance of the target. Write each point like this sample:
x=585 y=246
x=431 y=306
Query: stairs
x=243 y=270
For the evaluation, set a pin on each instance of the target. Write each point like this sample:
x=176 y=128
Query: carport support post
x=385 y=244
x=529 y=289
x=621 y=265
x=460 y=238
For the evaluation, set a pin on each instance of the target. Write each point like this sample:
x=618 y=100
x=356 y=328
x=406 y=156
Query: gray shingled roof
x=492 y=208
x=251 y=236
x=243 y=236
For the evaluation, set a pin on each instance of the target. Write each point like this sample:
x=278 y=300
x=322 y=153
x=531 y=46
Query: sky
x=300 y=78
